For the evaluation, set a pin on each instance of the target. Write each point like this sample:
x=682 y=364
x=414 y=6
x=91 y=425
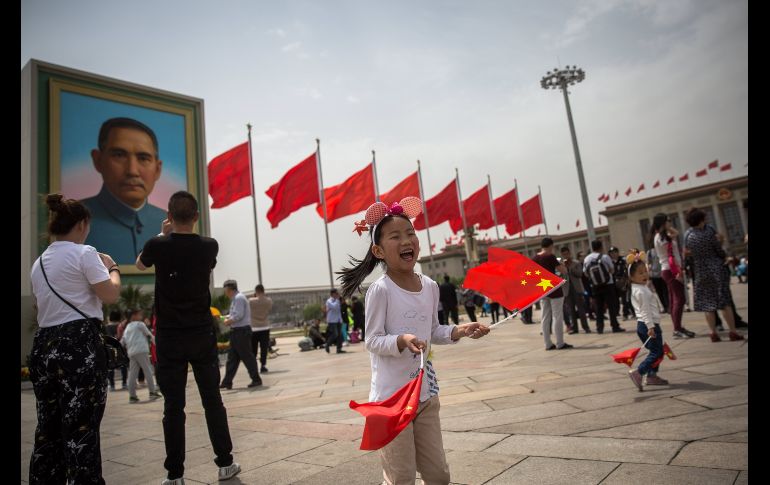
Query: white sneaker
x=176 y=481
x=228 y=472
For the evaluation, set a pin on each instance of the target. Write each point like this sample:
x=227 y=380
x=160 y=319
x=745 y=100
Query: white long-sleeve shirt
x=392 y=311
x=645 y=304
x=661 y=247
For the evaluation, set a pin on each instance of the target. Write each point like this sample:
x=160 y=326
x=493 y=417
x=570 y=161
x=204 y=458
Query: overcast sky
x=455 y=84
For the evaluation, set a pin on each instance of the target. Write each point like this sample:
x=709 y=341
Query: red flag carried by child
x=627 y=356
x=386 y=419
x=511 y=279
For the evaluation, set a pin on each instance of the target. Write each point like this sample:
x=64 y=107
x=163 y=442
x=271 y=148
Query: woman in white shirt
x=68 y=366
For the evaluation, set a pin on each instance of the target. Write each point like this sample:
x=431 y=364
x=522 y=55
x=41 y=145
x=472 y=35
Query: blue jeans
x=655 y=345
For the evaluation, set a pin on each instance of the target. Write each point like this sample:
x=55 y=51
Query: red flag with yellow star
x=386 y=419
x=511 y=279
x=627 y=356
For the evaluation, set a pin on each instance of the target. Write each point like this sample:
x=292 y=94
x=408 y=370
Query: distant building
x=725 y=203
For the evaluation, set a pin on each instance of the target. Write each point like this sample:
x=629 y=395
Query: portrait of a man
x=123 y=219
x=123 y=157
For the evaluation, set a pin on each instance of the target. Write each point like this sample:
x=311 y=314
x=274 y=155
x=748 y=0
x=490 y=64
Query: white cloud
x=309 y=92
x=278 y=32
x=291 y=47
x=576 y=26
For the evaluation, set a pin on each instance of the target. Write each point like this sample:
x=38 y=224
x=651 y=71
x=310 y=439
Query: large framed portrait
x=122 y=150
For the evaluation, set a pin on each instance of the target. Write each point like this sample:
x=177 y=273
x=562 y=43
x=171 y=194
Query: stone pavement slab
x=668 y=475
x=616 y=450
x=556 y=471
x=475 y=468
x=732 y=456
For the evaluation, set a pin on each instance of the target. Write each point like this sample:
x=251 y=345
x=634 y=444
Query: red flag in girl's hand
x=386 y=419
x=513 y=280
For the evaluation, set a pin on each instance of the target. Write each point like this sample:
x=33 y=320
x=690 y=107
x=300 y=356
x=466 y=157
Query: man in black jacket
x=448 y=297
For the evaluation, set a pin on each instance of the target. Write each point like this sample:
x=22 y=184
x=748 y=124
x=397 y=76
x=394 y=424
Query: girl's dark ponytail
x=352 y=277
x=64 y=214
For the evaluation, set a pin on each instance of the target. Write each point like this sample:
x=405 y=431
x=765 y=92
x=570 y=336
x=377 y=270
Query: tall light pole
x=560 y=79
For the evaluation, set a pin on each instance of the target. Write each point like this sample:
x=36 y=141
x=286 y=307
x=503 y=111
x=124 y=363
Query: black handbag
x=115 y=354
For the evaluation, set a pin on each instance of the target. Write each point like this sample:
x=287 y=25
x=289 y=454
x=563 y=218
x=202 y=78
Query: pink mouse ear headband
x=408 y=206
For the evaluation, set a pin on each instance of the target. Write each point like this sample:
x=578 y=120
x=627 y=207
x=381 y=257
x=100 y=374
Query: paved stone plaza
x=511 y=413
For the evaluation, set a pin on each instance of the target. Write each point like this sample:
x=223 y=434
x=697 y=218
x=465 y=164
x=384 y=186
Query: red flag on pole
x=531 y=212
x=577 y=223
x=507 y=211
x=684 y=177
x=353 y=195
x=477 y=211
x=616 y=194
x=229 y=176
x=656 y=184
x=296 y=189
x=511 y=279
x=628 y=191
x=641 y=187
x=557 y=227
x=670 y=181
x=607 y=198
x=726 y=167
x=386 y=419
x=701 y=173
x=714 y=164
x=441 y=207
x=410 y=186
x=601 y=198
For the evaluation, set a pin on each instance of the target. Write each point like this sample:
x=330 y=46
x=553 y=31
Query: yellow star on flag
x=528 y=273
x=537 y=272
x=544 y=283
x=524 y=282
x=409 y=408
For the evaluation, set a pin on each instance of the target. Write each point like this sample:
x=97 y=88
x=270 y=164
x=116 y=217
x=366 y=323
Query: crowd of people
x=403 y=310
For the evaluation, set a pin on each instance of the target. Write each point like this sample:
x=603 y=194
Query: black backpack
x=598 y=273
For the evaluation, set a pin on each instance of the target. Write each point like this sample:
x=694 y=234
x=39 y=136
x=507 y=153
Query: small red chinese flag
x=670 y=181
x=628 y=191
x=701 y=173
x=656 y=184
x=627 y=356
x=726 y=167
x=386 y=419
x=511 y=279
x=714 y=164
x=684 y=177
x=641 y=187
x=669 y=353
x=616 y=194
x=577 y=223
x=229 y=176
x=601 y=198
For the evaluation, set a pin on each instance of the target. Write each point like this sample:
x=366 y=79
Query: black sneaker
x=342 y=351
x=255 y=383
x=565 y=346
x=687 y=333
x=226 y=386
x=552 y=347
x=263 y=369
x=618 y=330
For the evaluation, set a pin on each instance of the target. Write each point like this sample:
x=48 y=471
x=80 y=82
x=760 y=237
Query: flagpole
x=323 y=203
x=424 y=209
x=521 y=217
x=542 y=211
x=460 y=200
x=254 y=207
x=376 y=185
x=492 y=205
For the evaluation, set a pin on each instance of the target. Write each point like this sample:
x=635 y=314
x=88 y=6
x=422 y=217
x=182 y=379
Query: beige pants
x=417 y=448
